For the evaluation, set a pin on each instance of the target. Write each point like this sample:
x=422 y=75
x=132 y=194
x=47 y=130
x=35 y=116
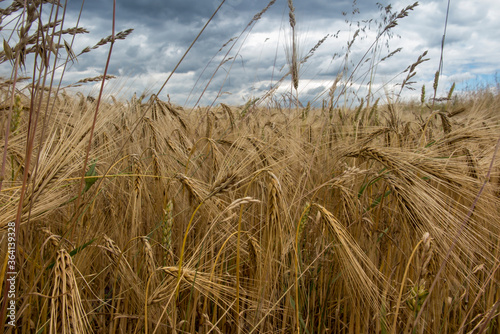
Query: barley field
x=141 y=216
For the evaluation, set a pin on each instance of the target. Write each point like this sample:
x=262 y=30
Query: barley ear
x=229 y=113
x=294 y=65
x=223 y=184
x=422 y=95
x=168 y=221
x=435 y=84
x=67 y=313
x=445 y=122
x=450 y=93
x=149 y=260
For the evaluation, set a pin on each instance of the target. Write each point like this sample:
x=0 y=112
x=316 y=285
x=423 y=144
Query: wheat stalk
x=223 y=184
x=96 y=79
x=294 y=64
x=108 y=39
x=67 y=314
x=194 y=187
x=156 y=163
x=229 y=113
x=215 y=288
x=150 y=261
x=355 y=265
x=167 y=107
x=258 y=16
x=168 y=222
x=273 y=201
x=125 y=271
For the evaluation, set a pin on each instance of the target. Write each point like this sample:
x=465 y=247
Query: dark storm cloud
x=152 y=12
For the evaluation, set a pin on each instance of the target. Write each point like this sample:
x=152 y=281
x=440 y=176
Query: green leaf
x=89 y=181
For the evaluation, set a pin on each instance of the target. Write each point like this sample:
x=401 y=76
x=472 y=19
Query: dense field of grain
x=267 y=219
x=141 y=216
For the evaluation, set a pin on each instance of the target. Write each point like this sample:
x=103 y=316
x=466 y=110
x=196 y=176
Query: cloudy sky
x=260 y=54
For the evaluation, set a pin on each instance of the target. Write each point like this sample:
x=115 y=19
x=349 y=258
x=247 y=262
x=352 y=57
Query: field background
x=141 y=216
